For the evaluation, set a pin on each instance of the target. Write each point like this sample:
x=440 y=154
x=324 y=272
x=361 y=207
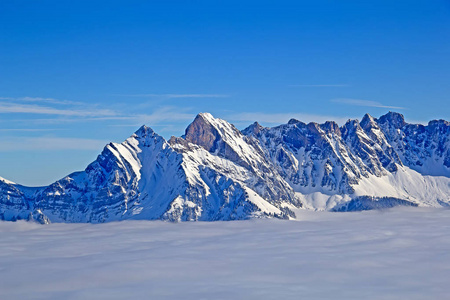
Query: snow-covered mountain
x=216 y=172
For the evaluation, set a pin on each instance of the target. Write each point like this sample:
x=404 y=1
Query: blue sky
x=75 y=75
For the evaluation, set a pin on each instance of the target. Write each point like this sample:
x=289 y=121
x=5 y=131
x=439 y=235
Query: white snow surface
x=407 y=184
x=403 y=184
x=403 y=253
x=6 y=180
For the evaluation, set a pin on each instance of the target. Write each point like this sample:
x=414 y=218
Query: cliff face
x=216 y=172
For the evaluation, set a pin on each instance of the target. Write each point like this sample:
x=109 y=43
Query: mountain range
x=217 y=172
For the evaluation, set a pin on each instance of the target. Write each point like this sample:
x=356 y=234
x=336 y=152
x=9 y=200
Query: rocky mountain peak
x=144 y=131
x=442 y=124
x=293 y=121
x=331 y=126
x=221 y=138
x=368 y=122
x=350 y=128
x=253 y=129
x=394 y=119
x=202 y=132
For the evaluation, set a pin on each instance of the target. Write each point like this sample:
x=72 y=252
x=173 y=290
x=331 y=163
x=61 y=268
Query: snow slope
x=6 y=180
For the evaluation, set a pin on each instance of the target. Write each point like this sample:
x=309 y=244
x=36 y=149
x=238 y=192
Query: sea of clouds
x=395 y=254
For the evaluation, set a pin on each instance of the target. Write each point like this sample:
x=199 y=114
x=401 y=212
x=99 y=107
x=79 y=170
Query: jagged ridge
x=216 y=172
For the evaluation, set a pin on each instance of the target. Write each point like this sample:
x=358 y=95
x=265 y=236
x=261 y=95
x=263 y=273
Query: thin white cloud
x=367 y=103
x=166 y=119
x=83 y=112
x=27 y=129
x=319 y=85
x=41 y=99
x=282 y=118
x=70 y=119
x=160 y=115
x=50 y=143
x=163 y=116
x=48 y=112
x=171 y=96
x=8 y=107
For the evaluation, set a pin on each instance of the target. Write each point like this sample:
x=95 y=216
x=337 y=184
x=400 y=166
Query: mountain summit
x=216 y=172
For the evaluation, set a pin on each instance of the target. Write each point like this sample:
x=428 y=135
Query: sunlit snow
x=397 y=254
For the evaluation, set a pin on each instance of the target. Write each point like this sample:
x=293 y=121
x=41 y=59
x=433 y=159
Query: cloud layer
x=9 y=107
x=50 y=143
x=397 y=254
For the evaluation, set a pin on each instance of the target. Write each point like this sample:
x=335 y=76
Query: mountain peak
x=350 y=127
x=202 y=132
x=394 y=118
x=435 y=123
x=223 y=139
x=293 y=121
x=253 y=129
x=368 y=122
x=205 y=116
x=367 y=118
x=144 y=131
x=331 y=126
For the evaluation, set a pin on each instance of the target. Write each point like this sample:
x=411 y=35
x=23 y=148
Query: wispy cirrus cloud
x=172 y=96
x=163 y=116
x=20 y=108
x=319 y=85
x=50 y=143
x=367 y=103
x=170 y=119
x=52 y=114
x=41 y=99
x=27 y=129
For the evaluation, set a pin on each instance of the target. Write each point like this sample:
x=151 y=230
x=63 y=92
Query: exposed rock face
x=216 y=172
x=422 y=148
x=202 y=133
x=310 y=156
x=13 y=204
x=253 y=129
x=223 y=139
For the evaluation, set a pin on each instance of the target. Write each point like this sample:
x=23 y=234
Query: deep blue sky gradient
x=77 y=74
